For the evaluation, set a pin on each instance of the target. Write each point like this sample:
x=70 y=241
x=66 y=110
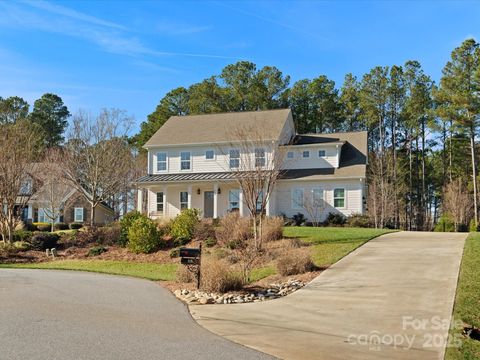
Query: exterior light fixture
x=198 y=191
x=219 y=191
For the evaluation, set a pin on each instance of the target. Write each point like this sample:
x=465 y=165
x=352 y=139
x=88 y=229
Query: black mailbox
x=189 y=252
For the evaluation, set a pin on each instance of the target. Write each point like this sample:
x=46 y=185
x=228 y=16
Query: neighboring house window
x=259 y=201
x=234 y=159
x=234 y=199
x=78 y=214
x=185 y=160
x=183 y=200
x=160 y=201
x=161 y=161
x=209 y=155
x=317 y=197
x=321 y=153
x=297 y=198
x=339 y=198
x=306 y=154
x=259 y=157
x=26 y=187
x=290 y=155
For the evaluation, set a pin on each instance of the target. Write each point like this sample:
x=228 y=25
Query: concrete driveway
x=390 y=299
x=60 y=315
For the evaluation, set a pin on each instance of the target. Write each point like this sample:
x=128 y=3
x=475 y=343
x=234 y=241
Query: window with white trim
x=209 y=155
x=234 y=199
x=317 y=197
x=339 y=198
x=234 y=158
x=259 y=200
x=160 y=202
x=259 y=157
x=78 y=214
x=183 y=200
x=185 y=160
x=297 y=198
x=306 y=154
x=41 y=215
x=162 y=161
x=321 y=153
x=290 y=155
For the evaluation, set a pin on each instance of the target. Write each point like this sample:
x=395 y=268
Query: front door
x=208 y=204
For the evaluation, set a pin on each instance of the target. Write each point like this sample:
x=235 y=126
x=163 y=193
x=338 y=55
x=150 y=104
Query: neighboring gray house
x=186 y=169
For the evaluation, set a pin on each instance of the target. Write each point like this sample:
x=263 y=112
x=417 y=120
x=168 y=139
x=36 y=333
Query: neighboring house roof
x=215 y=128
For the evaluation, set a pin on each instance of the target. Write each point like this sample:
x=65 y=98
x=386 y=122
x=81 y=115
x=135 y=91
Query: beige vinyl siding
x=353 y=196
x=314 y=161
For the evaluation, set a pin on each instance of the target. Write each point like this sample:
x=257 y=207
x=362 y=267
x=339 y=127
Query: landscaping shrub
x=43 y=226
x=143 y=236
x=125 y=223
x=109 y=235
x=7 y=249
x=272 y=228
x=335 y=219
x=88 y=235
x=218 y=277
x=210 y=242
x=75 y=226
x=298 y=219
x=444 y=224
x=204 y=230
x=183 y=275
x=183 y=226
x=22 y=235
x=68 y=239
x=472 y=227
x=164 y=226
x=60 y=226
x=358 y=220
x=97 y=250
x=44 y=240
x=232 y=229
x=22 y=245
x=294 y=262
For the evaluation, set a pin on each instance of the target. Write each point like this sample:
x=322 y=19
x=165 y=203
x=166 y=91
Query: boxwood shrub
x=44 y=240
x=143 y=236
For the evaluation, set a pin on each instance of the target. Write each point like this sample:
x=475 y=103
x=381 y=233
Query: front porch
x=212 y=199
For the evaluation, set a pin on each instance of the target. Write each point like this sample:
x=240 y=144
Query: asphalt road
x=61 y=315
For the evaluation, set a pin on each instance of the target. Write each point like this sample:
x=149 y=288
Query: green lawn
x=149 y=271
x=330 y=244
x=467 y=302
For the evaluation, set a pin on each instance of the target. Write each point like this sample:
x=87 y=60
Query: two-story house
x=192 y=161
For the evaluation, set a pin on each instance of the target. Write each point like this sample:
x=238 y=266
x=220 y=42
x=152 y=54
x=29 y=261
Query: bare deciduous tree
x=19 y=148
x=98 y=157
x=54 y=189
x=457 y=203
x=256 y=162
x=314 y=205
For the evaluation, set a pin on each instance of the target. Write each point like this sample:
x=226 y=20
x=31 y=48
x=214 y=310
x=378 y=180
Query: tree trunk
x=474 y=173
x=424 y=190
x=92 y=215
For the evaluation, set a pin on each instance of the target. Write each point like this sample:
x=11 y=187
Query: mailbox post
x=191 y=258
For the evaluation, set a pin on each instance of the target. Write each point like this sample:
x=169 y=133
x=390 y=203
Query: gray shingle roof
x=199 y=129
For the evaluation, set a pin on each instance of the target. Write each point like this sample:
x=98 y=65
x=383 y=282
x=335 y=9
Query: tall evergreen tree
x=50 y=114
x=12 y=109
x=459 y=96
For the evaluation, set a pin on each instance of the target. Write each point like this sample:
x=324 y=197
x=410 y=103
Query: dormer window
x=306 y=154
x=185 y=163
x=321 y=153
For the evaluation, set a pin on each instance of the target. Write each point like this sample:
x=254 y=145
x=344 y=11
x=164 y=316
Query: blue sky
x=128 y=54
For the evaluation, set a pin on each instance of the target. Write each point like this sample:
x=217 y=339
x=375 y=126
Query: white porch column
x=240 y=202
x=189 y=199
x=215 y=200
x=30 y=212
x=139 y=202
x=165 y=204
x=270 y=205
